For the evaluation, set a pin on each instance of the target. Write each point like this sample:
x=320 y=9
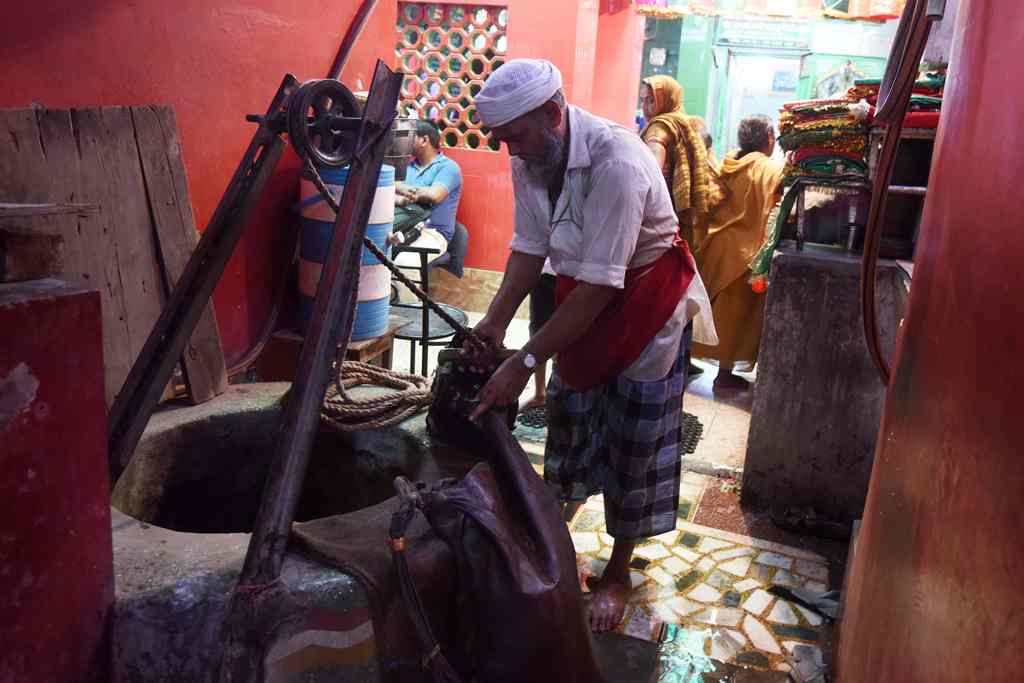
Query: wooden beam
x=163 y=172
x=11 y=210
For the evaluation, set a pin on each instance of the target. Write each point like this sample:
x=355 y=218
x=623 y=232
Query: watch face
x=529 y=361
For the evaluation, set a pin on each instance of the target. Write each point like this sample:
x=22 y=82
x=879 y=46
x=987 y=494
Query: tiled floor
x=712 y=583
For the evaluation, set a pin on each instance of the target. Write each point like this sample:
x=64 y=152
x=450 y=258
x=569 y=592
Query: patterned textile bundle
x=925 y=100
x=824 y=138
x=931 y=85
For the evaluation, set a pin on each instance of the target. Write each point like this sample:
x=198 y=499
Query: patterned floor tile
x=782 y=613
x=686 y=554
x=760 y=636
x=661 y=576
x=737 y=566
x=812 y=618
x=774 y=560
x=668 y=538
x=684 y=607
x=709 y=545
x=712 y=585
x=705 y=593
x=758 y=601
x=724 y=647
x=674 y=565
x=730 y=553
x=717 y=579
x=585 y=541
x=784 y=578
x=812 y=570
x=652 y=551
x=719 y=616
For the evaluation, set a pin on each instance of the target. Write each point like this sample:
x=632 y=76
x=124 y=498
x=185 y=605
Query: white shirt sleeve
x=612 y=217
x=532 y=234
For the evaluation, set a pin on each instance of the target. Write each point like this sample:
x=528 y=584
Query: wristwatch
x=529 y=361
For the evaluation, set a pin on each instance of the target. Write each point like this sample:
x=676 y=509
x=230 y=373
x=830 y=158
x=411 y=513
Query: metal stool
x=425 y=327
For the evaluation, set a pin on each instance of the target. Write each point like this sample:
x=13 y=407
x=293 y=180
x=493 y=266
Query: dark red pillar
x=56 y=565
x=933 y=593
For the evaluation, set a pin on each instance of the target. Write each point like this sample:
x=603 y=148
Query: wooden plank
x=26 y=174
x=9 y=210
x=43 y=165
x=56 y=156
x=176 y=238
x=122 y=240
x=34 y=171
x=58 y=182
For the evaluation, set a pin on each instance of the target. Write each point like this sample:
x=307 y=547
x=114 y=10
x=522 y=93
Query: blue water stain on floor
x=682 y=655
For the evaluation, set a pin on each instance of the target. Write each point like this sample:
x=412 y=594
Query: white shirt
x=614 y=213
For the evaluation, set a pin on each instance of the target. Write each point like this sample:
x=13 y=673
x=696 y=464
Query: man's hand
x=504 y=387
x=491 y=334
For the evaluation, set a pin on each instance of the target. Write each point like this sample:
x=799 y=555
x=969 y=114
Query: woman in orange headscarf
x=677 y=141
x=677 y=144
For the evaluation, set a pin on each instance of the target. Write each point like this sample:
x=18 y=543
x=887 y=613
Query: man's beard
x=547 y=167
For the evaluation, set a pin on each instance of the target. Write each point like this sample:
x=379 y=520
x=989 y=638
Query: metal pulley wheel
x=323 y=122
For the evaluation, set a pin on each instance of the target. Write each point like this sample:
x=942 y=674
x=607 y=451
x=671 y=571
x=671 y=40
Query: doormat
x=532 y=427
x=689 y=433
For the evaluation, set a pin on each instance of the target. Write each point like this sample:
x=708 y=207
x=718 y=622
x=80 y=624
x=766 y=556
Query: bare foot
x=727 y=380
x=535 y=402
x=608 y=596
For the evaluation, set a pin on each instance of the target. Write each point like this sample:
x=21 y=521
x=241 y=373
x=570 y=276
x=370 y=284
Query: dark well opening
x=207 y=475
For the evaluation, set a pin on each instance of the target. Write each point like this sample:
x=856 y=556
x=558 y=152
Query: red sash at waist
x=627 y=325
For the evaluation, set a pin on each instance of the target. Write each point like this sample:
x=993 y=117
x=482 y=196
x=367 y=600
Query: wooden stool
x=279 y=358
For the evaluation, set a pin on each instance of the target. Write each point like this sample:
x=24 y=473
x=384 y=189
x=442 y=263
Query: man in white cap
x=590 y=197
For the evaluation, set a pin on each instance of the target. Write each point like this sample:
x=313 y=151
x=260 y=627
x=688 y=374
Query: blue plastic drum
x=317 y=223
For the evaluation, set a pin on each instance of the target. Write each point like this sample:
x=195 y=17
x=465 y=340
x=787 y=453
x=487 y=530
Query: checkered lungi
x=622 y=439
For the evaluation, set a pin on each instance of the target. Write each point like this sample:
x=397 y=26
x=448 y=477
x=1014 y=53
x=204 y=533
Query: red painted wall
x=932 y=594
x=56 y=562
x=214 y=61
x=620 y=46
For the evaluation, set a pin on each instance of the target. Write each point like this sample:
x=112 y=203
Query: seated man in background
x=735 y=231
x=426 y=203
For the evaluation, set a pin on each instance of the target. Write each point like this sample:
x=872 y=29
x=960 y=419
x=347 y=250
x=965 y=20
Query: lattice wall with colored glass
x=446 y=52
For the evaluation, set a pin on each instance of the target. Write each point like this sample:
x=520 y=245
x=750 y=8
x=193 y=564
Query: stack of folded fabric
x=824 y=139
x=925 y=100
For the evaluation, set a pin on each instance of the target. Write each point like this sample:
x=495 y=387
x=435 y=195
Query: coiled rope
x=346 y=414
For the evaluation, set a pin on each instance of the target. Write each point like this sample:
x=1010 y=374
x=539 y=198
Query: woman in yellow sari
x=677 y=144
x=735 y=231
x=677 y=141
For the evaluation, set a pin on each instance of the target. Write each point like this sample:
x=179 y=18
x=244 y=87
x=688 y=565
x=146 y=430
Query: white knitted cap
x=516 y=88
